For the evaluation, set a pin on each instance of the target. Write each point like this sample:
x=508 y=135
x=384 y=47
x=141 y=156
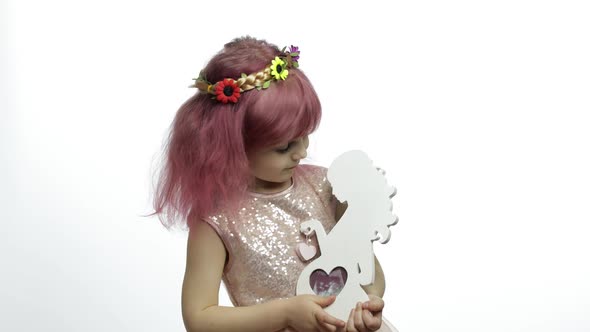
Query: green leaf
x=266 y=85
x=283 y=50
x=294 y=53
x=244 y=75
x=296 y=64
x=258 y=88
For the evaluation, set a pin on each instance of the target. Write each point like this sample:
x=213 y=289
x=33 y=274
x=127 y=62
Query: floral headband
x=229 y=90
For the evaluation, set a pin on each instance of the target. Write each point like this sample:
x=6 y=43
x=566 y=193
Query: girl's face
x=273 y=167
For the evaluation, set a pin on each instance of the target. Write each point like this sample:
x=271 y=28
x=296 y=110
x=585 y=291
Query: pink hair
x=205 y=162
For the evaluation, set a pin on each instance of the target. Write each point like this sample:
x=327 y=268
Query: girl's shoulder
x=314 y=174
x=313 y=170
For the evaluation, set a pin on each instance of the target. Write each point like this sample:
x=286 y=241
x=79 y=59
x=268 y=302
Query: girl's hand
x=306 y=313
x=366 y=316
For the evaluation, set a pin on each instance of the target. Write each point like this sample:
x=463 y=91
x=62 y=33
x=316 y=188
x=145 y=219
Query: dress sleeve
x=318 y=178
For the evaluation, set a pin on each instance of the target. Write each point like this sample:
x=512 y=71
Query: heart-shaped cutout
x=306 y=251
x=324 y=284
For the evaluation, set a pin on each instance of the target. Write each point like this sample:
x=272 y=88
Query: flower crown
x=229 y=90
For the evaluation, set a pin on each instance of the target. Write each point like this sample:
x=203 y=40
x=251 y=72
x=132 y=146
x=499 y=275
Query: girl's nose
x=300 y=153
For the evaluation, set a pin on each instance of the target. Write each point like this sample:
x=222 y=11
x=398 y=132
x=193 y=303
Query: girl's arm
x=378 y=287
x=201 y=312
x=369 y=316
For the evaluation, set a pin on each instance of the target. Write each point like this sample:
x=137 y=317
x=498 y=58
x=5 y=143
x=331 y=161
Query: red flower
x=227 y=90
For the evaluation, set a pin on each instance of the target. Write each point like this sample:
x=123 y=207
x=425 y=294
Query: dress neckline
x=278 y=193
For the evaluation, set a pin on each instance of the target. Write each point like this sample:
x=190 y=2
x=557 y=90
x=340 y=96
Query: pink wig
x=205 y=166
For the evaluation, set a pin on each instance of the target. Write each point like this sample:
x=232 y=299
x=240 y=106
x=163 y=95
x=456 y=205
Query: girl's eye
x=285 y=148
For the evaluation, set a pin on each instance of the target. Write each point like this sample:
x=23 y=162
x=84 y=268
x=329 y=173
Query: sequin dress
x=261 y=240
x=263 y=264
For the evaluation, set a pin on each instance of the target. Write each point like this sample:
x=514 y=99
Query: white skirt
x=386 y=326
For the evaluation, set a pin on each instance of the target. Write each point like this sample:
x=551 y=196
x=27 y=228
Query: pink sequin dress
x=262 y=262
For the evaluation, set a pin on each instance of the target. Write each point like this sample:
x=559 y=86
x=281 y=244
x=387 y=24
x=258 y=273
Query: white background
x=476 y=109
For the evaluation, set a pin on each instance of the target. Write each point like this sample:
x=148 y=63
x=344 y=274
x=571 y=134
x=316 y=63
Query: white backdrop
x=477 y=110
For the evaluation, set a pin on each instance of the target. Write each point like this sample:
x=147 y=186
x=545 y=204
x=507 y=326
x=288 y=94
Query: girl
x=232 y=175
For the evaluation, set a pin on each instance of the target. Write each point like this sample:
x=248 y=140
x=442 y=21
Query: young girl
x=232 y=174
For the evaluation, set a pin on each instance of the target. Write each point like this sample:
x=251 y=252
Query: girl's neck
x=266 y=187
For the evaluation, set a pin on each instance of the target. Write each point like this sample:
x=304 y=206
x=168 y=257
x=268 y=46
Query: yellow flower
x=278 y=70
